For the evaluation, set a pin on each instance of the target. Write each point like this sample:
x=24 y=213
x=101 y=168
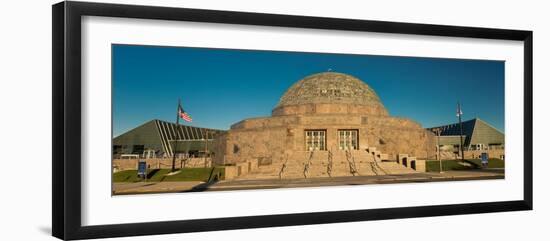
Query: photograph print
x=188 y=119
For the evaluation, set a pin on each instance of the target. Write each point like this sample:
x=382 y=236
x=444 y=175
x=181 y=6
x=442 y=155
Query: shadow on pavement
x=202 y=187
x=212 y=179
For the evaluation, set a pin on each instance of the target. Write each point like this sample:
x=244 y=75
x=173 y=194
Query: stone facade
x=272 y=137
x=332 y=103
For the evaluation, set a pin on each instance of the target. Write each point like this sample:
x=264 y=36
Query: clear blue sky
x=219 y=87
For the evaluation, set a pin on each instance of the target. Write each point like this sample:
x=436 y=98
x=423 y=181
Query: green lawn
x=159 y=175
x=433 y=165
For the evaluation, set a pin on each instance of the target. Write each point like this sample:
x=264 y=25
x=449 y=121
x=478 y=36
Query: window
x=348 y=140
x=138 y=149
x=316 y=140
x=117 y=149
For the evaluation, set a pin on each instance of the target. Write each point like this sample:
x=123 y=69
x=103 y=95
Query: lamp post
x=459 y=115
x=206 y=149
x=438 y=133
x=175 y=146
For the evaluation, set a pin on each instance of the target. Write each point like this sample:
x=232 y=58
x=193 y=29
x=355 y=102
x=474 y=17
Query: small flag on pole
x=458 y=110
x=184 y=114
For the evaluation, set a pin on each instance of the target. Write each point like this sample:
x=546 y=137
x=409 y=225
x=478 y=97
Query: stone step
x=319 y=163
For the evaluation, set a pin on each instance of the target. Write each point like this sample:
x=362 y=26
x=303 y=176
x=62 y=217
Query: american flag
x=184 y=114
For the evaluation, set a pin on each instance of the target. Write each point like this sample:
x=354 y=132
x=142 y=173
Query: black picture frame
x=66 y=75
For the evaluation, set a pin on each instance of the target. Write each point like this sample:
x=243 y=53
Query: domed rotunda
x=330 y=92
x=326 y=124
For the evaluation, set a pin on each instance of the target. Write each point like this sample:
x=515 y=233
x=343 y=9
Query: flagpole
x=177 y=136
x=459 y=113
x=205 y=148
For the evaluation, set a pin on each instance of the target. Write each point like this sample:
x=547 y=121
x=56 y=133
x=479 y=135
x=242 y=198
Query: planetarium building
x=326 y=124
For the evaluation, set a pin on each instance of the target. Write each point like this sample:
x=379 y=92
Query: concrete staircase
x=395 y=168
x=338 y=163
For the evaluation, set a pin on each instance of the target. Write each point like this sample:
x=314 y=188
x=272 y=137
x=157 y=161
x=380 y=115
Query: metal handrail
x=306 y=165
x=379 y=167
x=351 y=163
x=283 y=167
x=329 y=165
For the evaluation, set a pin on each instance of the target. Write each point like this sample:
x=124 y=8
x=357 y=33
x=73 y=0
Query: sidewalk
x=166 y=187
x=153 y=187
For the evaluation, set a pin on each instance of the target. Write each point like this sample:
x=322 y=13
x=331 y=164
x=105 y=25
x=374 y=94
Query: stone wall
x=240 y=169
x=393 y=135
x=476 y=154
x=220 y=148
x=242 y=145
x=160 y=163
x=472 y=154
x=418 y=143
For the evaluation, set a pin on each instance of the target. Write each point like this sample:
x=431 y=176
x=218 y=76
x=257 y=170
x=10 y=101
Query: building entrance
x=347 y=140
x=316 y=140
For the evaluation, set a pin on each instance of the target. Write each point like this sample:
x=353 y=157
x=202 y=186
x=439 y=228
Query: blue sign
x=142 y=168
x=484 y=159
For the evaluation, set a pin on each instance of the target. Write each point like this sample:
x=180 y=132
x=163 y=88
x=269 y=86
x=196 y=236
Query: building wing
x=476 y=134
x=160 y=136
